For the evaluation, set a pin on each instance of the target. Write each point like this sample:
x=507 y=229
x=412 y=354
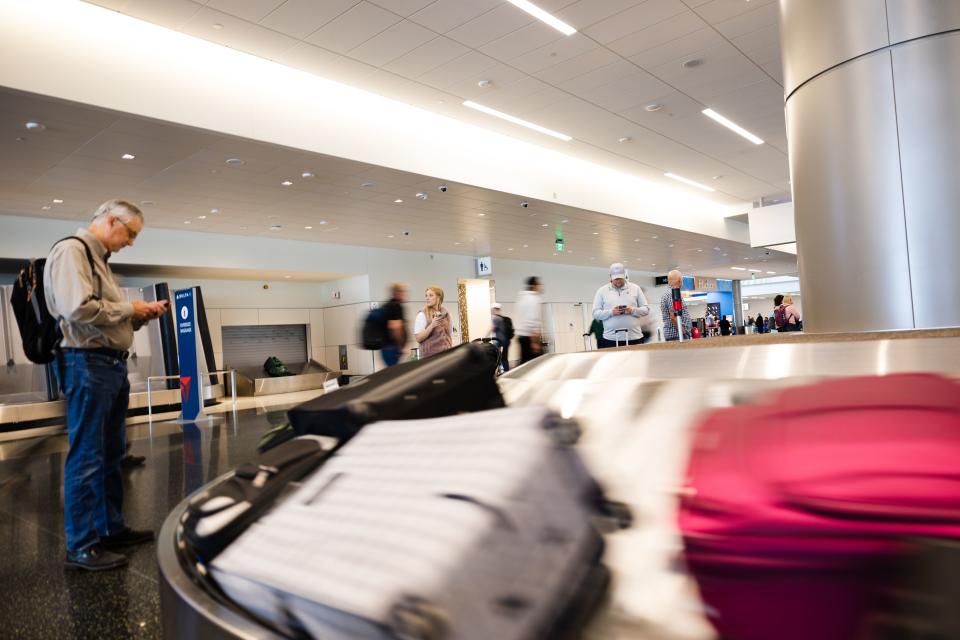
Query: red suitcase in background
x=801 y=507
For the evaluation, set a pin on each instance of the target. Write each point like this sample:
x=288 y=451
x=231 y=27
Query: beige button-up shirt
x=92 y=309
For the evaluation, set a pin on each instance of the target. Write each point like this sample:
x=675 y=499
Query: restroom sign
x=484 y=267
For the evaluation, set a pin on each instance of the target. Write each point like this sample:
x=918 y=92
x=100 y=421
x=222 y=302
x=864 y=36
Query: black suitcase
x=216 y=516
x=460 y=380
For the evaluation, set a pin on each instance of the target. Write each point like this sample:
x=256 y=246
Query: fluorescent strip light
x=542 y=15
x=755 y=270
x=515 y=120
x=733 y=126
x=688 y=181
x=738 y=268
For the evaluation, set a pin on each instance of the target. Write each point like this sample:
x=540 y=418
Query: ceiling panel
x=402 y=7
x=352 y=28
x=586 y=13
x=490 y=26
x=593 y=59
x=554 y=53
x=167 y=13
x=522 y=41
x=444 y=15
x=750 y=21
x=250 y=10
x=300 y=18
x=215 y=26
x=263 y=42
x=639 y=17
x=396 y=41
x=670 y=29
x=679 y=49
x=714 y=11
x=426 y=57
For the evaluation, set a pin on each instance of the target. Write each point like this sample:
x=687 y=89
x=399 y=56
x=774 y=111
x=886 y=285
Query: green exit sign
x=559 y=245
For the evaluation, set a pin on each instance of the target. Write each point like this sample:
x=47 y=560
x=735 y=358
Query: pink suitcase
x=799 y=508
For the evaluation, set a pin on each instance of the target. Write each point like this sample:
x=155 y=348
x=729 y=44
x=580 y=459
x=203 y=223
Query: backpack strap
x=86 y=248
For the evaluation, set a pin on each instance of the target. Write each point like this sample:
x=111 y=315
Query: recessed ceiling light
x=398 y=201
x=481 y=215
x=234 y=162
x=457 y=243
x=35 y=126
x=525 y=246
x=217 y=26
x=243 y=228
x=625 y=140
x=275 y=227
x=421 y=195
x=755 y=270
x=128 y=156
x=636 y=239
x=773 y=273
x=654 y=237
x=733 y=126
x=367 y=184
x=653 y=106
x=306 y=174
x=286 y=183
x=725 y=255
x=688 y=181
x=564 y=221
x=45 y=207
x=323 y=222
x=716 y=248
x=308 y=227
x=186 y=222
x=544 y=16
x=738 y=268
x=57 y=201
x=544 y=225
x=202 y=217
x=484 y=84
x=509 y=248
x=699 y=250
x=390 y=236
x=669 y=246
x=287 y=277
x=515 y=120
x=593 y=258
x=691 y=63
x=214 y=210
x=596 y=233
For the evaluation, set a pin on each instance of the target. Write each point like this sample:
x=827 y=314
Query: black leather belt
x=104 y=351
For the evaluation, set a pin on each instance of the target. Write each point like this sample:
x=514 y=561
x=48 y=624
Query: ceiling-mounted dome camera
x=442 y=188
x=406 y=233
x=524 y=204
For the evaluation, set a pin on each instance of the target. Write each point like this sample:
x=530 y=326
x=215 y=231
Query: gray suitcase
x=475 y=526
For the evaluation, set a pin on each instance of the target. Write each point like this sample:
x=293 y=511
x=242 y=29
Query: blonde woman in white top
x=432 y=328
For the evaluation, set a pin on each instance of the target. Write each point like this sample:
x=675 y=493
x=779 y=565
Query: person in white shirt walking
x=529 y=325
x=619 y=305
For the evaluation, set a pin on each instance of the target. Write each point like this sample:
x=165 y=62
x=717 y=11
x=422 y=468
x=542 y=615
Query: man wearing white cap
x=619 y=306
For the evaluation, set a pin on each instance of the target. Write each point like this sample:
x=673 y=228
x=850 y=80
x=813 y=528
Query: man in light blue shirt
x=619 y=306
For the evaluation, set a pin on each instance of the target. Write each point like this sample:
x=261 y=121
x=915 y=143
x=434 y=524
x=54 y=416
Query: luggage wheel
x=564 y=432
x=615 y=515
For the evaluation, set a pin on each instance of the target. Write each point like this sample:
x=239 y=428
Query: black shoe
x=127 y=538
x=94 y=558
x=130 y=461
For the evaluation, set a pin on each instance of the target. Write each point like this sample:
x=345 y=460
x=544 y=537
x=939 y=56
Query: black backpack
x=375 y=329
x=39 y=330
x=507 y=328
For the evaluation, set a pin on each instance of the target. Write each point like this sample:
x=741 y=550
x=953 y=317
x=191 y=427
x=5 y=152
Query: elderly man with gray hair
x=619 y=306
x=675 y=280
x=97 y=323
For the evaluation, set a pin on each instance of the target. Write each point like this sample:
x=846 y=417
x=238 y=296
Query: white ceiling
x=593 y=85
x=182 y=172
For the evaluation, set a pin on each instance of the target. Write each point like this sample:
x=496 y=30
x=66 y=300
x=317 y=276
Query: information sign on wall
x=484 y=267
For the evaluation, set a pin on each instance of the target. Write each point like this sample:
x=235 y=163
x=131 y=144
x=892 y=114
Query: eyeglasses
x=130 y=232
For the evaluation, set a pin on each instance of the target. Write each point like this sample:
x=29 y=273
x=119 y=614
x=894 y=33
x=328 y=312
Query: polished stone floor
x=38 y=598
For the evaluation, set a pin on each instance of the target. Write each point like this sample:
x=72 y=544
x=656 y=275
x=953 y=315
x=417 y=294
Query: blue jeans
x=97 y=393
x=391 y=355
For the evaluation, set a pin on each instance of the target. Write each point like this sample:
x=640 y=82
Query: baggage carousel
x=637 y=406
